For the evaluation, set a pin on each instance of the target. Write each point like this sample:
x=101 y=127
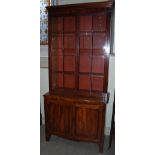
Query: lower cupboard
x=75 y=119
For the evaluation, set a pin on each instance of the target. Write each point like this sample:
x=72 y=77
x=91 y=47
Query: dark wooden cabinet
x=78 y=47
x=74 y=116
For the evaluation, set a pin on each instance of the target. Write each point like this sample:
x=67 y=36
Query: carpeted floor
x=60 y=146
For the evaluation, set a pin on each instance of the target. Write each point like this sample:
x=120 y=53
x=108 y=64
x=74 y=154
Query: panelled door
x=87 y=121
x=60 y=118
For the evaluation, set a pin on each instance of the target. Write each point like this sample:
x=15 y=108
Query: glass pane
x=98 y=64
x=57 y=63
x=84 y=82
x=69 y=63
x=69 y=24
x=57 y=24
x=99 y=40
x=57 y=41
x=85 y=23
x=99 y=23
x=85 y=64
x=57 y=80
x=97 y=83
x=69 y=80
x=69 y=41
x=85 y=40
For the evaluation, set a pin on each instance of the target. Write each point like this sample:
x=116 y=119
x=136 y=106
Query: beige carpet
x=60 y=146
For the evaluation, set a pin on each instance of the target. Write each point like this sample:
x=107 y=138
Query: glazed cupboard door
x=63 y=52
x=87 y=122
x=92 y=52
x=59 y=118
x=79 y=52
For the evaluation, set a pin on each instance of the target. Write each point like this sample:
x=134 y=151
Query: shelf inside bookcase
x=86 y=81
x=64 y=80
x=99 y=52
x=91 y=82
x=63 y=63
x=71 y=51
x=85 y=52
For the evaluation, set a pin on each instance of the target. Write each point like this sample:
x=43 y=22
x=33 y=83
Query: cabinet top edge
x=101 y=97
x=106 y=4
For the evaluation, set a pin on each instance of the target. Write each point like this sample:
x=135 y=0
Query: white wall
x=43 y=88
x=111 y=87
x=44 y=74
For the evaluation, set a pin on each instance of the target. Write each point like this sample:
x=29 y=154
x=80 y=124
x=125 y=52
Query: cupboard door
x=60 y=118
x=87 y=121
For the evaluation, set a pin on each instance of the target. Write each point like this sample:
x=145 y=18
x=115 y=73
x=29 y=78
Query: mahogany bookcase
x=78 y=51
